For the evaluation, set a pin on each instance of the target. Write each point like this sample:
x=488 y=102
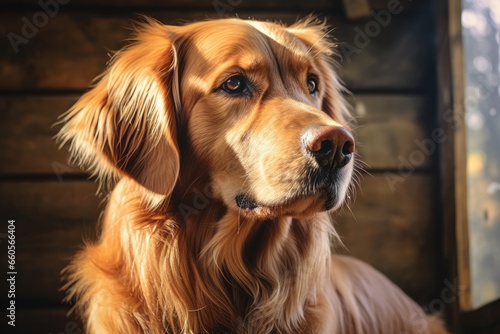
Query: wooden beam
x=390 y=131
x=26 y=136
x=482 y=320
x=52 y=219
x=73 y=48
x=47 y=320
x=453 y=154
x=395 y=232
x=356 y=9
x=229 y=5
x=387 y=130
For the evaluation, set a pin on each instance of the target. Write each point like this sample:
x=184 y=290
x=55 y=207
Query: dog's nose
x=330 y=145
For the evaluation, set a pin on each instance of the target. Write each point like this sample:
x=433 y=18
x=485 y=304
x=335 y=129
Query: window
x=481 y=41
x=469 y=102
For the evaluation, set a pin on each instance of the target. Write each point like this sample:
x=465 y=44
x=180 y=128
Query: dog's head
x=256 y=107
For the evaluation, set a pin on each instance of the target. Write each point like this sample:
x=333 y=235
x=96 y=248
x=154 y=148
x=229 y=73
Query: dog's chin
x=300 y=206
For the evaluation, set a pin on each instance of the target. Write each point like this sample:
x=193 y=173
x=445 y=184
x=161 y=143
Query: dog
x=227 y=145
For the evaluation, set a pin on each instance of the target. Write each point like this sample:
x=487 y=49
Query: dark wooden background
x=393 y=81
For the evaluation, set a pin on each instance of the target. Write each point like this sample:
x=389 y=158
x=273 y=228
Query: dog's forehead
x=222 y=39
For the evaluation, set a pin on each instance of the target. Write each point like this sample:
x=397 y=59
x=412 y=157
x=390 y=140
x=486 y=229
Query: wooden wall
x=396 y=228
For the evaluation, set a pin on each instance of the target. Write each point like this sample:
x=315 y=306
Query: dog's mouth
x=324 y=199
x=331 y=199
x=324 y=190
x=243 y=201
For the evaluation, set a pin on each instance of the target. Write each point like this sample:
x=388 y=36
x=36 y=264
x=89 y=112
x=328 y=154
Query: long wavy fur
x=154 y=271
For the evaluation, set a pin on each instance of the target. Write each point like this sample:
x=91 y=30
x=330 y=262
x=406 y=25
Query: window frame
x=453 y=156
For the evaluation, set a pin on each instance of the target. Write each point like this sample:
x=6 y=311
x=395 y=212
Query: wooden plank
x=72 y=49
x=453 y=157
x=457 y=158
x=407 y=5
x=51 y=220
x=26 y=136
x=481 y=320
x=191 y=4
x=399 y=57
x=67 y=53
x=313 y=5
x=51 y=321
x=355 y=9
x=390 y=131
x=387 y=130
x=396 y=232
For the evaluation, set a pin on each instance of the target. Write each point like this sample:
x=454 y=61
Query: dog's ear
x=125 y=126
x=314 y=33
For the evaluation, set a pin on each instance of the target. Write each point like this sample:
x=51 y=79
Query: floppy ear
x=314 y=34
x=125 y=126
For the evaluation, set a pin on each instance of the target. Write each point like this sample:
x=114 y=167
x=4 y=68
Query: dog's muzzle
x=332 y=149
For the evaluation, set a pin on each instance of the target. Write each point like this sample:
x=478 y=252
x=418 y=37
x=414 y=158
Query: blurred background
x=481 y=33
x=400 y=59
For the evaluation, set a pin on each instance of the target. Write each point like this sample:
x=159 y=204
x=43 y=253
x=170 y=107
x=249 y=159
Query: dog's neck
x=269 y=265
x=226 y=270
x=251 y=267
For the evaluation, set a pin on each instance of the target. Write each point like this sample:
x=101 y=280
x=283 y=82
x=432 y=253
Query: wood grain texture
x=483 y=320
x=453 y=158
x=210 y=4
x=73 y=48
x=389 y=131
x=393 y=232
x=50 y=320
x=396 y=231
x=26 y=136
x=52 y=219
x=400 y=57
x=386 y=131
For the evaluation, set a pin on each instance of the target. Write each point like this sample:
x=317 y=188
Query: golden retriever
x=227 y=143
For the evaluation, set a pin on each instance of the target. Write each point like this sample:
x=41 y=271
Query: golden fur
x=176 y=252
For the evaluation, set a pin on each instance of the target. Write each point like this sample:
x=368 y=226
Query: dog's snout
x=330 y=145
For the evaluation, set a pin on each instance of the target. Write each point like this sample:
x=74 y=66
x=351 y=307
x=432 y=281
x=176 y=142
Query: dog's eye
x=312 y=86
x=235 y=85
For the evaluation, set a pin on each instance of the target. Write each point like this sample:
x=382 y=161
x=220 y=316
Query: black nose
x=330 y=145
